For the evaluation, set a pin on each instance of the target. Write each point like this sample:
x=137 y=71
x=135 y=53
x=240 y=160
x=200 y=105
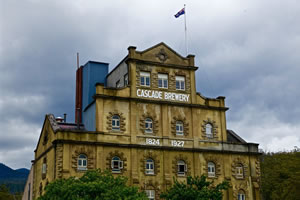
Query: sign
x=171 y=96
x=151 y=141
x=177 y=143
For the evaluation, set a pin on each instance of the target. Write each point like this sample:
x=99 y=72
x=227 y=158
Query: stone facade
x=132 y=143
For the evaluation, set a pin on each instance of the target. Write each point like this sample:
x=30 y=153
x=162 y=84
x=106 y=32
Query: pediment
x=162 y=53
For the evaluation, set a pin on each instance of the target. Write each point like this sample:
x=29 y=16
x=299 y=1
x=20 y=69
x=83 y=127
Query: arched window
x=148 y=125
x=241 y=195
x=150 y=194
x=209 y=130
x=115 y=122
x=116 y=164
x=179 y=128
x=211 y=169
x=181 y=168
x=82 y=162
x=239 y=171
x=149 y=166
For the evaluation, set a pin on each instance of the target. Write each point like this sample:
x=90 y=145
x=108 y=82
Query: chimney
x=65 y=117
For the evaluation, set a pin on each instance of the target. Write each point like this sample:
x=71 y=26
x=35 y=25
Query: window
x=82 y=162
x=241 y=195
x=211 y=169
x=116 y=164
x=180 y=83
x=44 y=168
x=125 y=79
x=148 y=125
x=239 y=171
x=118 y=84
x=163 y=80
x=150 y=194
x=115 y=122
x=149 y=166
x=209 y=130
x=179 y=128
x=181 y=168
x=145 y=79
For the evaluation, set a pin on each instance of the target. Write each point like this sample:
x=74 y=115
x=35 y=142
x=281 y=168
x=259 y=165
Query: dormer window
x=145 y=79
x=180 y=82
x=163 y=81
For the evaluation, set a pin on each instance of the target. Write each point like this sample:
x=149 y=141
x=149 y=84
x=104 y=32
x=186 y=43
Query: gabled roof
x=233 y=137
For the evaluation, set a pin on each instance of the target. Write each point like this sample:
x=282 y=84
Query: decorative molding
x=59 y=161
x=214 y=129
x=216 y=161
x=239 y=161
x=121 y=156
x=162 y=55
x=109 y=121
x=187 y=162
x=242 y=186
x=257 y=170
x=154 y=123
x=156 y=160
x=185 y=125
x=88 y=153
x=151 y=185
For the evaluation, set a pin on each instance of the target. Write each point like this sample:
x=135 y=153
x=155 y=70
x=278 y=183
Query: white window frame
x=239 y=171
x=148 y=125
x=180 y=82
x=211 y=169
x=115 y=122
x=163 y=78
x=150 y=194
x=180 y=164
x=82 y=162
x=145 y=79
x=241 y=195
x=119 y=164
x=209 y=130
x=179 y=128
x=149 y=166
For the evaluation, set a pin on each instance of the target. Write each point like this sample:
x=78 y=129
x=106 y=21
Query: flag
x=181 y=12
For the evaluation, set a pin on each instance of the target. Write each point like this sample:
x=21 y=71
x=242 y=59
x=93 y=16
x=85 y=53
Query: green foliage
x=195 y=189
x=5 y=194
x=94 y=185
x=280 y=175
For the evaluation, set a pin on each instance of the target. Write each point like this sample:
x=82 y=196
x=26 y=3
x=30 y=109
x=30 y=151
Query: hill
x=14 y=179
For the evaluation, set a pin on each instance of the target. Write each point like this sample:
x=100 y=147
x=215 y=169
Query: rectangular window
x=145 y=79
x=180 y=83
x=44 y=168
x=150 y=194
x=163 y=80
x=125 y=80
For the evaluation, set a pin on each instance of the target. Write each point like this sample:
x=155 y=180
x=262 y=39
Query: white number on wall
x=177 y=143
x=151 y=141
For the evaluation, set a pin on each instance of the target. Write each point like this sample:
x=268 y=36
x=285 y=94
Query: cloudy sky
x=246 y=50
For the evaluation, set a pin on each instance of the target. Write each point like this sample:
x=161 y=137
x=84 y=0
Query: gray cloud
x=246 y=51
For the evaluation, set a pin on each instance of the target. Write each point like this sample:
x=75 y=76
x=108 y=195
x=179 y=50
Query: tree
x=94 y=185
x=4 y=193
x=195 y=189
x=280 y=174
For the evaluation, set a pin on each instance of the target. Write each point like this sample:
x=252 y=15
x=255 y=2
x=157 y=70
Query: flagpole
x=185 y=31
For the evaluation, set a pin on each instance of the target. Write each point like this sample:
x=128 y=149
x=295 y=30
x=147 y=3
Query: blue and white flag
x=181 y=12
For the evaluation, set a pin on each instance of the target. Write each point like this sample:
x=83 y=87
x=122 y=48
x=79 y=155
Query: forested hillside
x=280 y=174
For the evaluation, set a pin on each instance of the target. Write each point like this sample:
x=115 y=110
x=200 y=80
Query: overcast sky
x=246 y=50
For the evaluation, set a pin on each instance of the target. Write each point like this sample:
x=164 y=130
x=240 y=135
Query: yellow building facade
x=148 y=123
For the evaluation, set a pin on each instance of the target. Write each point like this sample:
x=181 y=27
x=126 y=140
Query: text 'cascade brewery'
x=162 y=95
x=145 y=120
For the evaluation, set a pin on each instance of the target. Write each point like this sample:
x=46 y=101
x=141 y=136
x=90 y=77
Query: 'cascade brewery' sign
x=162 y=95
